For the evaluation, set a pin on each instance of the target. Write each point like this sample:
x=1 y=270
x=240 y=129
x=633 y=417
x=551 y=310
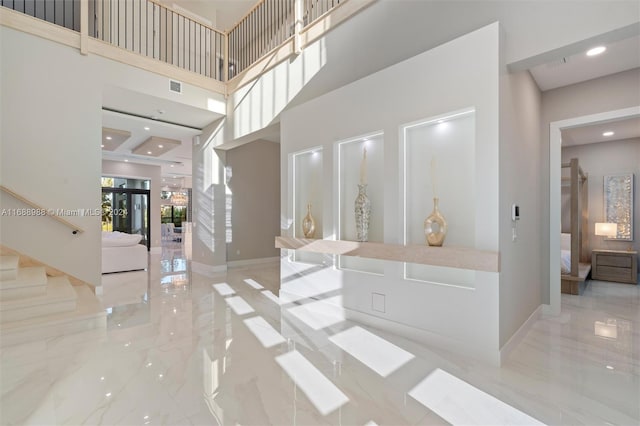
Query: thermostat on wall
x=515 y=212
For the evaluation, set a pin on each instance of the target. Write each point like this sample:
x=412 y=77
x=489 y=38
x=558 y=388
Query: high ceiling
x=360 y=48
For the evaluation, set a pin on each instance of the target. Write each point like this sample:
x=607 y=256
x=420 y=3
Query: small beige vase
x=435 y=226
x=309 y=224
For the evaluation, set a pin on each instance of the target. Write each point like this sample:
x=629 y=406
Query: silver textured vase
x=363 y=213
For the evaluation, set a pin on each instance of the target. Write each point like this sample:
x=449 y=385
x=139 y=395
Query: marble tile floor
x=184 y=348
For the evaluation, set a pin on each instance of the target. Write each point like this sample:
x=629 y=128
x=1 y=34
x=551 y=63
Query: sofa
x=123 y=252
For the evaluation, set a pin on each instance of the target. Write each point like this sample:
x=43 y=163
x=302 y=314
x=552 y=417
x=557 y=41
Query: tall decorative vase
x=435 y=226
x=363 y=213
x=309 y=224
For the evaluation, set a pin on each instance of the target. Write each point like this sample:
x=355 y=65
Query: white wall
x=254 y=189
x=50 y=142
x=520 y=276
x=141 y=171
x=50 y=145
x=460 y=74
x=222 y=14
x=599 y=160
x=599 y=95
x=208 y=204
x=358 y=47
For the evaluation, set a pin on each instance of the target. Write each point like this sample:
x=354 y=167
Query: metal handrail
x=42 y=211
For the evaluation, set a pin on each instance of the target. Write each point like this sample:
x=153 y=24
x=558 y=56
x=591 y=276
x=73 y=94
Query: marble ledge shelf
x=452 y=257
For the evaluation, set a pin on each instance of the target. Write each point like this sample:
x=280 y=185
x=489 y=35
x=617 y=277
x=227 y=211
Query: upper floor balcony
x=152 y=36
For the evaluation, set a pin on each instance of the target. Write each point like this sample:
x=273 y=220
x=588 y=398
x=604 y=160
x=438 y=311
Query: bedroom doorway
x=555 y=178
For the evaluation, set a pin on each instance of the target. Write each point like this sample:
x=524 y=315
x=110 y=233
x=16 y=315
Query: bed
x=574 y=250
x=122 y=252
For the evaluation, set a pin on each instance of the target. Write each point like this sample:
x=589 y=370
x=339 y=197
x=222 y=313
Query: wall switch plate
x=378 y=302
x=515 y=212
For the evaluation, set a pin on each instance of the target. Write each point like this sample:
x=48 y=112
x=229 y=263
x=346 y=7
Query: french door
x=127 y=210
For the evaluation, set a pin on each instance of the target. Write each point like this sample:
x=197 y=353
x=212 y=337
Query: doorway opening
x=126 y=207
x=555 y=179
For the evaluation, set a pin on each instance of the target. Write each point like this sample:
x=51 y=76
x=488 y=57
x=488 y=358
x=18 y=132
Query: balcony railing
x=314 y=9
x=65 y=13
x=266 y=26
x=156 y=31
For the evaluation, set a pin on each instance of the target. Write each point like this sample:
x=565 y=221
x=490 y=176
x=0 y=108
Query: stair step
x=26 y=277
x=29 y=282
x=8 y=267
x=59 y=297
x=88 y=315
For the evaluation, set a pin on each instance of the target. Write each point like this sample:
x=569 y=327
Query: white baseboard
x=517 y=337
x=204 y=269
x=249 y=262
x=548 y=310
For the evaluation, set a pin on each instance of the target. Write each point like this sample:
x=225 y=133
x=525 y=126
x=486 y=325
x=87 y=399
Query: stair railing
x=37 y=210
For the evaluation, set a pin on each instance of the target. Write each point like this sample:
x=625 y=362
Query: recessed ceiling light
x=596 y=51
x=608 y=133
x=147 y=128
x=126 y=161
x=160 y=146
x=171 y=165
x=102 y=146
x=149 y=152
x=108 y=138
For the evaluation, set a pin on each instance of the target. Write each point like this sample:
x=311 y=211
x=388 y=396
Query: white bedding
x=565 y=261
x=565 y=253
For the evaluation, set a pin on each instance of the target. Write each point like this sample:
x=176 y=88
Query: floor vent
x=175 y=86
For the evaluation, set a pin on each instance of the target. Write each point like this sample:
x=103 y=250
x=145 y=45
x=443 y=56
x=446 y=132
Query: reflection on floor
x=185 y=348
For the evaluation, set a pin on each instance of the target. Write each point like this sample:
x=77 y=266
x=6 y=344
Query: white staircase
x=34 y=306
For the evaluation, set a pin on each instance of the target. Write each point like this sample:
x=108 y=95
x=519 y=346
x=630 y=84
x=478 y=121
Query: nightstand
x=615 y=265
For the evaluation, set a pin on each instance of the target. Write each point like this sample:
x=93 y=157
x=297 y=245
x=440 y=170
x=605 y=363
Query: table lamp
x=607 y=229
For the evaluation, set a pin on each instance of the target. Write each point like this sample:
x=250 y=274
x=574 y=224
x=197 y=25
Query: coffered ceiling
x=113 y=138
x=174 y=158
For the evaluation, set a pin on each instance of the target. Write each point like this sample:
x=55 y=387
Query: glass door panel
x=140 y=216
x=107 y=210
x=127 y=210
x=120 y=213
